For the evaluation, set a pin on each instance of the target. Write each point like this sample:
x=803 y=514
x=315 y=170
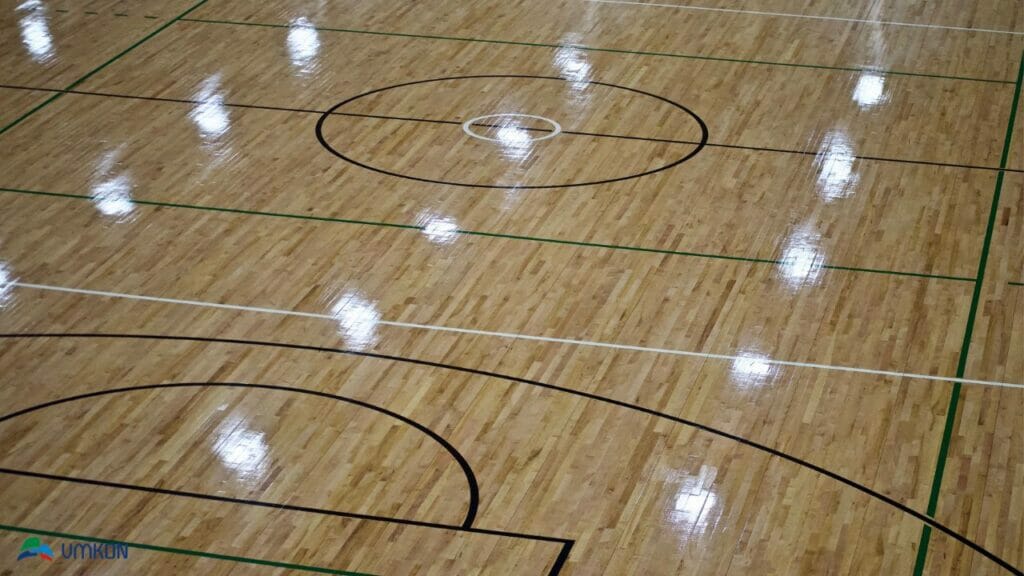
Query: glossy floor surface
x=568 y=287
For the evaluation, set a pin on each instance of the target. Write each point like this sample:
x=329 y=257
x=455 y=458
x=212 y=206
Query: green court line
x=954 y=396
x=598 y=49
x=180 y=551
x=482 y=233
x=94 y=71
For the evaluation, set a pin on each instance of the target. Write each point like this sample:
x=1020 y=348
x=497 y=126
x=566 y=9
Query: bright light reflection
x=751 y=369
x=513 y=136
x=112 y=193
x=303 y=45
x=113 y=197
x=210 y=114
x=440 y=230
x=870 y=90
x=357 y=319
x=35 y=32
x=573 y=63
x=695 y=505
x=242 y=450
x=802 y=258
x=836 y=178
x=7 y=281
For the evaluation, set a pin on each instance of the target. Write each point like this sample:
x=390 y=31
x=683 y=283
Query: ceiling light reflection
x=513 y=136
x=113 y=197
x=836 y=177
x=35 y=32
x=112 y=190
x=751 y=369
x=802 y=258
x=440 y=229
x=242 y=450
x=357 y=319
x=210 y=115
x=303 y=45
x=573 y=64
x=7 y=284
x=696 y=506
x=870 y=90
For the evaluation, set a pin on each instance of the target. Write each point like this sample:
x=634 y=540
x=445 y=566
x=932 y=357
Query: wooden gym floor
x=512 y=286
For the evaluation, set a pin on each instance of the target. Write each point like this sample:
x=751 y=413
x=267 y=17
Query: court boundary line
x=485 y=234
x=512 y=335
x=965 y=347
x=180 y=551
x=599 y=49
x=94 y=71
x=811 y=17
x=871 y=493
x=272 y=108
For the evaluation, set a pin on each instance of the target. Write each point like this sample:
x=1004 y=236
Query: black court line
x=364 y=164
x=262 y=504
x=180 y=551
x=474 y=490
x=604 y=399
x=555 y=568
x=709 y=144
x=90 y=13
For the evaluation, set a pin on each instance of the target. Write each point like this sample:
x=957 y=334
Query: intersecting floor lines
x=94 y=71
x=954 y=397
x=510 y=335
x=180 y=551
x=599 y=49
x=814 y=153
x=809 y=17
x=482 y=233
x=566 y=544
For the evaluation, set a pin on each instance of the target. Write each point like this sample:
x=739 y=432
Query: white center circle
x=513 y=134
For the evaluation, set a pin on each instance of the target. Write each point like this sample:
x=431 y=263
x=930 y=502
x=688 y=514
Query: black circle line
x=636 y=407
x=474 y=490
x=331 y=111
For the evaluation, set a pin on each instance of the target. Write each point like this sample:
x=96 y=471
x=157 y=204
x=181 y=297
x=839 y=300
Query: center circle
x=418 y=131
x=467 y=127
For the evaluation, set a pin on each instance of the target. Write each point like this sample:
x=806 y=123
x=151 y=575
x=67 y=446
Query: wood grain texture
x=836 y=215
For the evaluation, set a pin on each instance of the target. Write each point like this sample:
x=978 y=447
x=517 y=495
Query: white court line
x=511 y=335
x=810 y=17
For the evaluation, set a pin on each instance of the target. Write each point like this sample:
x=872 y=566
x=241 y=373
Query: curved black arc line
x=703 y=427
x=474 y=490
x=333 y=111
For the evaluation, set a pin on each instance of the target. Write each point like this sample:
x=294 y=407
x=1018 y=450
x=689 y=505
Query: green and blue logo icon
x=34 y=547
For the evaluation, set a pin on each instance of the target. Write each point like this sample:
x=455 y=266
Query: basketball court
x=575 y=287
